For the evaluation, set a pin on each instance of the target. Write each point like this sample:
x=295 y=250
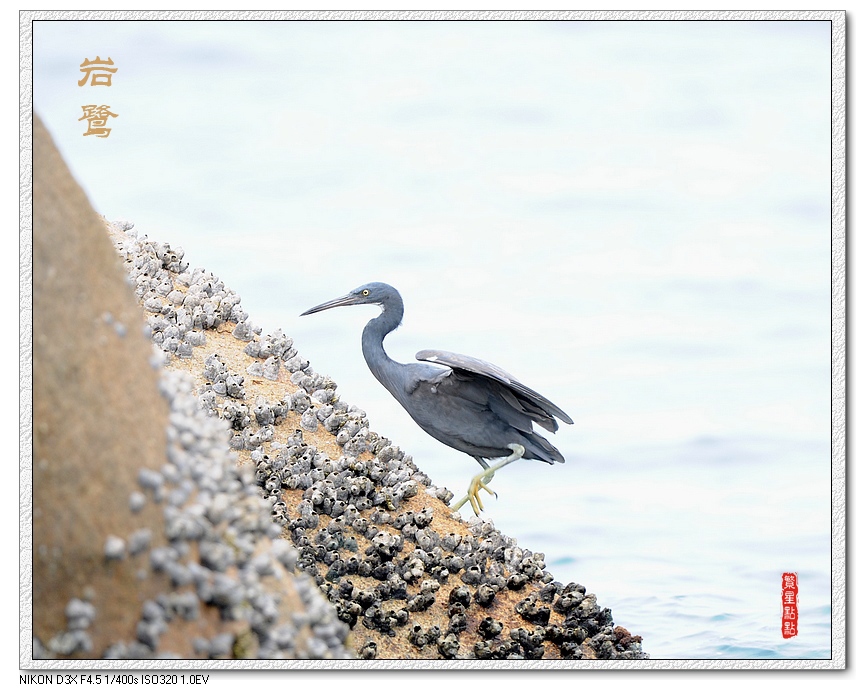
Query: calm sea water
x=632 y=217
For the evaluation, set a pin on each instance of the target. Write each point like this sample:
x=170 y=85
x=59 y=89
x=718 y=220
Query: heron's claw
x=477 y=483
x=472 y=496
x=481 y=480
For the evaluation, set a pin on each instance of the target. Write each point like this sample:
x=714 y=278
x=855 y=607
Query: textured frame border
x=838 y=335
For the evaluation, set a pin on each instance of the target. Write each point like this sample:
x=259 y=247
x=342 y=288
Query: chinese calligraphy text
x=97 y=72
x=97 y=117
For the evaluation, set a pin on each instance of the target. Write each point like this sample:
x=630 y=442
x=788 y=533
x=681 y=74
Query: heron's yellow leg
x=481 y=480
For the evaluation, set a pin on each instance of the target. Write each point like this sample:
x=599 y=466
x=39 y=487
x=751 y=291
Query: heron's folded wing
x=540 y=407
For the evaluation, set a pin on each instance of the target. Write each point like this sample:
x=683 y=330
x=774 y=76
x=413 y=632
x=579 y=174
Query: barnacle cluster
x=410 y=578
x=220 y=549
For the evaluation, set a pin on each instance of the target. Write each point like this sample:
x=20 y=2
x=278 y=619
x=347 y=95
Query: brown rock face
x=98 y=415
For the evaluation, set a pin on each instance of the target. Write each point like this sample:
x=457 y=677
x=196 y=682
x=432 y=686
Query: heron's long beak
x=343 y=301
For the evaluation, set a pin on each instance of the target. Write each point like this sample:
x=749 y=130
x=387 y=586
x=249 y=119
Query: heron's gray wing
x=539 y=407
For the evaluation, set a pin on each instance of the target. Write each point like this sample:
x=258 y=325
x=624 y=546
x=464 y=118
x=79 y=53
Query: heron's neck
x=372 y=343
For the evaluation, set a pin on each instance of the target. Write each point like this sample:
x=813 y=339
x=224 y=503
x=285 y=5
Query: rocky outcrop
x=227 y=503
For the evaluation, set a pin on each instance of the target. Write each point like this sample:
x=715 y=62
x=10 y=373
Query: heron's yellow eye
x=365 y=293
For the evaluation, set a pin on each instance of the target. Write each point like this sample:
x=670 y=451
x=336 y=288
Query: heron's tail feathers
x=538 y=448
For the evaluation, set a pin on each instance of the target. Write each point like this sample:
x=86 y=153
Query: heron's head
x=381 y=294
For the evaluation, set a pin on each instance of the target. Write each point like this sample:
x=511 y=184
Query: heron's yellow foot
x=481 y=480
x=477 y=483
